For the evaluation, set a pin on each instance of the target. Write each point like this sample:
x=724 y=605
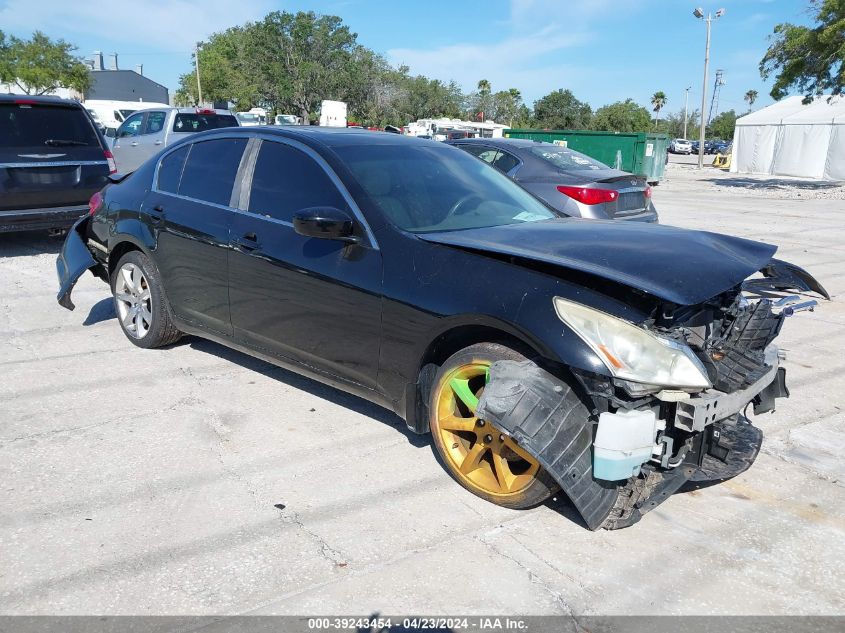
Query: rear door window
x=170 y=170
x=487 y=154
x=505 y=161
x=193 y=122
x=287 y=180
x=154 y=122
x=45 y=126
x=211 y=168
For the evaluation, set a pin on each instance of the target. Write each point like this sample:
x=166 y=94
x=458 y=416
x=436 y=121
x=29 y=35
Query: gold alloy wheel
x=480 y=455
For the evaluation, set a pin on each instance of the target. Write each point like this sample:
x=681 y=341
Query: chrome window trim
x=335 y=179
x=55 y=163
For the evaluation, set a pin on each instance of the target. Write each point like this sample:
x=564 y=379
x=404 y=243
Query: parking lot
x=197 y=480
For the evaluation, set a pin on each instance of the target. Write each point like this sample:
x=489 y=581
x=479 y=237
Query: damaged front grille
x=733 y=350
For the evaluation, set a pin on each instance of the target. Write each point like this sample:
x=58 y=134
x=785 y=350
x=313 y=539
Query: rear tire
x=474 y=452
x=140 y=304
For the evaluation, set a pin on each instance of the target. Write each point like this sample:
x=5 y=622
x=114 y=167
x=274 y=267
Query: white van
x=110 y=114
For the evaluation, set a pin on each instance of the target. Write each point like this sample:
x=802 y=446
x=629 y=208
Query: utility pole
x=197 y=62
x=699 y=13
x=686 y=109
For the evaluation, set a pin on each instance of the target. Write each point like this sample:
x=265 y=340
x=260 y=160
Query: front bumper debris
x=712 y=405
x=73 y=260
x=527 y=402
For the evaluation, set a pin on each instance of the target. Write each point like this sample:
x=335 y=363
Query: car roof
x=500 y=142
x=315 y=135
x=39 y=99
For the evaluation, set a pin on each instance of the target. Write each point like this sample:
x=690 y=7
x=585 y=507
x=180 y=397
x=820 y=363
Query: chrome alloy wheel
x=133 y=301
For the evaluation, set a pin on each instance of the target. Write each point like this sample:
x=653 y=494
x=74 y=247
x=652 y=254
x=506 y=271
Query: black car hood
x=678 y=265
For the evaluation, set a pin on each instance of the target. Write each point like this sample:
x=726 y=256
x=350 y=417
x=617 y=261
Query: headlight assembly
x=632 y=353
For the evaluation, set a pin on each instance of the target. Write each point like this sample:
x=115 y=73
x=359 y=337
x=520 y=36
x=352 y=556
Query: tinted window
x=566 y=159
x=421 y=188
x=505 y=162
x=211 y=168
x=170 y=170
x=131 y=126
x=191 y=122
x=45 y=126
x=484 y=153
x=287 y=180
x=155 y=122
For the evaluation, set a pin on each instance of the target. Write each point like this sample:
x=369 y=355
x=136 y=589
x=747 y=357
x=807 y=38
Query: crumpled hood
x=678 y=265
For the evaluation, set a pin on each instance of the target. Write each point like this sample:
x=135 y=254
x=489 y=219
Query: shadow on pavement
x=318 y=389
x=101 y=311
x=29 y=243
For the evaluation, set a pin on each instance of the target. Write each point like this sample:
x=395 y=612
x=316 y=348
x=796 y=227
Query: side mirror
x=326 y=223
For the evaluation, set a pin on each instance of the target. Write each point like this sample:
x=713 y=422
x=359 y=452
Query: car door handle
x=134 y=143
x=156 y=214
x=248 y=241
x=158 y=142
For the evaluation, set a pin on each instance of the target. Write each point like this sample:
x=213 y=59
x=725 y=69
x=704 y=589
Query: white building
x=789 y=138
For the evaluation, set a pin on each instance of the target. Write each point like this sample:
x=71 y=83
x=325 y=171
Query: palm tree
x=658 y=100
x=751 y=97
x=483 y=86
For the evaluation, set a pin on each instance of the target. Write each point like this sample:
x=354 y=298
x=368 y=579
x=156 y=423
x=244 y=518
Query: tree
x=722 y=126
x=658 y=101
x=750 y=97
x=561 y=110
x=507 y=106
x=40 y=65
x=673 y=123
x=481 y=102
x=809 y=59
x=622 y=116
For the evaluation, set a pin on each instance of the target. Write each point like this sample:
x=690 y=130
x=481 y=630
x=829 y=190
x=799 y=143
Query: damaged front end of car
x=671 y=406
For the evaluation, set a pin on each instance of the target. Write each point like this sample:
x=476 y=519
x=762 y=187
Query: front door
x=151 y=139
x=127 y=156
x=190 y=208
x=315 y=301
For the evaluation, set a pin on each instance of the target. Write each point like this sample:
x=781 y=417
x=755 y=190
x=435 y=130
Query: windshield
x=566 y=159
x=246 y=116
x=425 y=188
x=286 y=118
x=45 y=126
x=191 y=122
x=126 y=113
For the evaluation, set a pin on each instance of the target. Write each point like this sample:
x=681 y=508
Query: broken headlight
x=633 y=353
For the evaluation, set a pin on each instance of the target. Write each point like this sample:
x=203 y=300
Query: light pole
x=699 y=13
x=686 y=109
x=197 y=60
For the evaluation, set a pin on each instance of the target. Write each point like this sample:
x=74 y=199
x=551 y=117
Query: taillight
x=110 y=161
x=25 y=102
x=205 y=111
x=586 y=195
x=95 y=203
x=647 y=192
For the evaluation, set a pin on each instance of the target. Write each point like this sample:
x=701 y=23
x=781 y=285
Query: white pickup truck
x=146 y=132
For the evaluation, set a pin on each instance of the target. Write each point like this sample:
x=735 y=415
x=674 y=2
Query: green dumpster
x=640 y=153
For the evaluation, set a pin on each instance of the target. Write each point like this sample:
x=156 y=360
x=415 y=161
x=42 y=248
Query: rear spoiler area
x=781 y=276
x=117 y=178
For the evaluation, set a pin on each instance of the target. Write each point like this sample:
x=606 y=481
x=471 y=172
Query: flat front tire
x=479 y=456
x=140 y=303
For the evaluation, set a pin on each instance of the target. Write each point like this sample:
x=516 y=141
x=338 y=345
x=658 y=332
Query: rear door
x=315 y=301
x=190 y=208
x=50 y=156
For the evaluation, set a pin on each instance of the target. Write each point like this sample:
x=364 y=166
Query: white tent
x=789 y=138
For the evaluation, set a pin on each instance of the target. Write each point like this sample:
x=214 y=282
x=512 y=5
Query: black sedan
x=611 y=360
x=566 y=180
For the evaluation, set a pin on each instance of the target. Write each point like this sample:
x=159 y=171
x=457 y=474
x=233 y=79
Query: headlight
x=632 y=353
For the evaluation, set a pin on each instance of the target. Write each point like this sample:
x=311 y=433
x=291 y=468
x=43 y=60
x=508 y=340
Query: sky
x=602 y=50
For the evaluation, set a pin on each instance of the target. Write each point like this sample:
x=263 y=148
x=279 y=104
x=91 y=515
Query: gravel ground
x=197 y=480
x=685 y=168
